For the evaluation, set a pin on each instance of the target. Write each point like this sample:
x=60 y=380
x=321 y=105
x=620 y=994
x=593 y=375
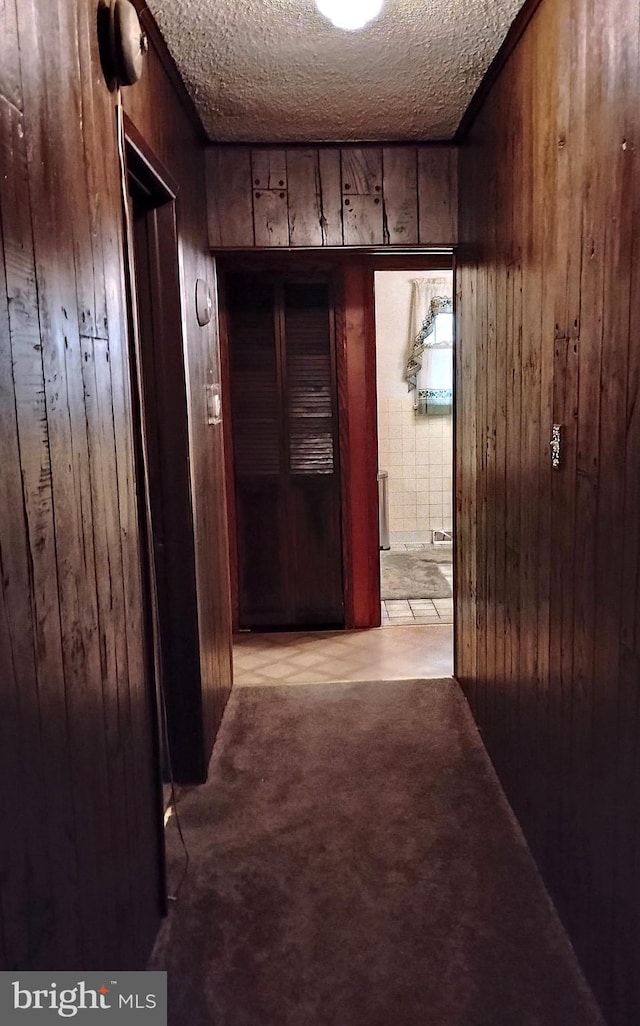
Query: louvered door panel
x=314 y=483
x=254 y=378
x=263 y=572
x=285 y=452
x=309 y=378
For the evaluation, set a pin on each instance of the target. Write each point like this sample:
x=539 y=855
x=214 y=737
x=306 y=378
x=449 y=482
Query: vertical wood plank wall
x=80 y=838
x=331 y=196
x=548 y=562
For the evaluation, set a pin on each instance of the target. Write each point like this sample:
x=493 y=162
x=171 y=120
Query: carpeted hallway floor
x=354 y=863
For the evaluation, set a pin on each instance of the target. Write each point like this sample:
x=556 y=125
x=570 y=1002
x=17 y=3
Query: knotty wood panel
x=80 y=856
x=437 y=195
x=548 y=562
x=230 y=197
x=400 y=194
x=359 y=196
x=315 y=198
x=362 y=210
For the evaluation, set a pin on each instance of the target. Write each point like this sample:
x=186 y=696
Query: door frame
x=354 y=275
x=164 y=459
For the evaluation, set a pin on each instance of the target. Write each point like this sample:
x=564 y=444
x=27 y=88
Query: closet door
x=315 y=542
x=258 y=452
x=287 y=482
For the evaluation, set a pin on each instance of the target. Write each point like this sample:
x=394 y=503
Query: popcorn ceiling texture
x=277 y=71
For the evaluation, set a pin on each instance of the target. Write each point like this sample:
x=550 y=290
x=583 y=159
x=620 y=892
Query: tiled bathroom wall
x=417 y=451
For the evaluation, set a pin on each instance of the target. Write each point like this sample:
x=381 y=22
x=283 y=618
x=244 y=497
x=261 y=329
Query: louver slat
x=310 y=401
x=254 y=379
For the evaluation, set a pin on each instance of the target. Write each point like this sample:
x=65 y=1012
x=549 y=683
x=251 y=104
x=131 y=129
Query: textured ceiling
x=277 y=71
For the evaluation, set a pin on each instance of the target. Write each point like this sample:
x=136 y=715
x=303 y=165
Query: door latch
x=554 y=445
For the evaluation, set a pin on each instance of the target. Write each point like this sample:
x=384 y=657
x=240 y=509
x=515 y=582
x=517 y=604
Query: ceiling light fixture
x=350 y=14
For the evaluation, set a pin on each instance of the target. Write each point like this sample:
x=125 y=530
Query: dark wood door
x=285 y=442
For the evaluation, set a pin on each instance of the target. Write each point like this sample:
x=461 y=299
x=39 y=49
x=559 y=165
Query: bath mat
x=411 y=575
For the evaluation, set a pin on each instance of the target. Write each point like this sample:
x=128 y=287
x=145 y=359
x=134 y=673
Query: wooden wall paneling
x=329 y=168
x=22 y=851
x=355 y=196
x=269 y=169
x=78 y=706
x=95 y=467
x=619 y=81
x=437 y=192
x=587 y=488
x=225 y=359
x=400 y=195
x=496 y=239
x=85 y=187
x=568 y=273
x=229 y=197
x=548 y=702
x=531 y=454
x=210 y=518
x=315 y=199
x=102 y=402
x=558 y=706
x=362 y=207
x=513 y=428
x=305 y=199
x=494 y=342
x=110 y=614
x=481 y=478
x=465 y=444
x=13 y=936
x=625 y=978
x=208 y=483
x=270 y=203
x=10 y=84
x=62 y=286
x=32 y=587
x=16 y=646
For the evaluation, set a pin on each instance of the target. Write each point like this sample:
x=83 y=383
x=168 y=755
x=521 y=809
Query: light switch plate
x=214 y=404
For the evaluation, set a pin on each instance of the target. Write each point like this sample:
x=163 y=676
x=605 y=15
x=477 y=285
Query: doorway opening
x=414 y=370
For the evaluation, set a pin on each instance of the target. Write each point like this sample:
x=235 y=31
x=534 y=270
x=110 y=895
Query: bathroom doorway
x=414 y=369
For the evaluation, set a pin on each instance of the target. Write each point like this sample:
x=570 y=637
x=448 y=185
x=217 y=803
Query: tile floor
x=401 y=612
x=310 y=657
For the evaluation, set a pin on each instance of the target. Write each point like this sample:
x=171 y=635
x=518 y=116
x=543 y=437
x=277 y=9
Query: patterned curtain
x=427 y=301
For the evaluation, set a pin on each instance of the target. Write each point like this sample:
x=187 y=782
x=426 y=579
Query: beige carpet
x=354 y=863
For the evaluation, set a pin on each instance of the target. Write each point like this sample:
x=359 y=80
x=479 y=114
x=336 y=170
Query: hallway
x=353 y=858
x=354 y=863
